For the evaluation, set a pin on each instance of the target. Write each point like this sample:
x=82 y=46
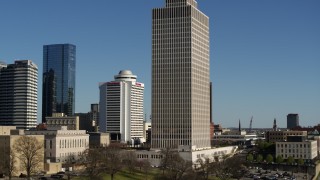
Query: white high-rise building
x=180 y=76
x=121 y=107
x=18 y=94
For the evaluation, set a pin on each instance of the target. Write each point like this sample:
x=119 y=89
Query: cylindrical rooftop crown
x=125 y=75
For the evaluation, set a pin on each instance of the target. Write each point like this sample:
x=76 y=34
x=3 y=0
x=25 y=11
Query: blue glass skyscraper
x=58 y=95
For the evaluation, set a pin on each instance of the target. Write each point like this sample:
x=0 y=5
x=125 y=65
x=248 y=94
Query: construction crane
x=250 y=127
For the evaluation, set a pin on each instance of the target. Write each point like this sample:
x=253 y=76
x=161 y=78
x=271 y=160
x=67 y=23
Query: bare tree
x=30 y=152
x=166 y=156
x=91 y=159
x=130 y=160
x=112 y=160
x=10 y=165
x=204 y=168
x=174 y=167
x=145 y=167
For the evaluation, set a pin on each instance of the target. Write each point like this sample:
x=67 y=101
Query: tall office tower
x=292 y=120
x=180 y=76
x=121 y=107
x=18 y=94
x=58 y=95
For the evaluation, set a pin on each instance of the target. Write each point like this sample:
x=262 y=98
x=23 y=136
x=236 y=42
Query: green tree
x=279 y=159
x=259 y=158
x=300 y=161
x=250 y=157
x=269 y=158
x=290 y=160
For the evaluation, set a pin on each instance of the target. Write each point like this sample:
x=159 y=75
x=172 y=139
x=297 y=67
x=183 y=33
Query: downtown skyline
x=264 y=56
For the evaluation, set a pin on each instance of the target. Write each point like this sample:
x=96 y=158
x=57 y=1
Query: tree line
x=29 y=152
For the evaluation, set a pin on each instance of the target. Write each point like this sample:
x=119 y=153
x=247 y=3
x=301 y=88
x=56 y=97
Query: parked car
x=57 y=176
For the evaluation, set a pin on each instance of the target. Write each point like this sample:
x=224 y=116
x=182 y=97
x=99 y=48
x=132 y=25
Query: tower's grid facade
x=180 y=76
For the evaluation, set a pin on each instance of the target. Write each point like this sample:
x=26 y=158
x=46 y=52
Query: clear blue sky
x=265 y=55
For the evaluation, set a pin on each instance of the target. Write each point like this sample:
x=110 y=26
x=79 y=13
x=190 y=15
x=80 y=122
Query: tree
x=91 y=159
x=204 y=167
x=300 y=161
x=229 y=168
x=290 y=160
x=130 y=160
x=112 y=160
x=166 y=155
x=279 y=159
x=259 y=158
x=145 y=167
x=176 y=167
x=269 y=158
x=250 y=157
x=30 y=152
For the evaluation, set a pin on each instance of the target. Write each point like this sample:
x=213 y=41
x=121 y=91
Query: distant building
x=63 y=145
x=211 y=130
x=147 y=131
x=59 y=119
x=275 y=136
x=217 y=129
x=18 y=94
x=59 y=77
x=94 y=114
x=121 y=107
x=97 y=139
x=297 y=147
x=308 y=129
x=292 y=120
x=6 y=145
x=88 y=121
x=235 y=138
x=275 y=127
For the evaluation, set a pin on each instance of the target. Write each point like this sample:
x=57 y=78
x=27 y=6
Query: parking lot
x=259 y=173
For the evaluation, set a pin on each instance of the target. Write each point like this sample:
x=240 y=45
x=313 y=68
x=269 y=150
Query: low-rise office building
x=275 y=136
x=63 y=145
x=155 y=156
x=297 y=147
x=59 y=119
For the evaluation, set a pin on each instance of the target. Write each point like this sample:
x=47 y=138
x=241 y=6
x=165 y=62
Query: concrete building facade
x=63 y=145
x=59 y=119
x=180 y=76
x=121 y=107
x=7 y=142
x=298 y=149
x=18 y=94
